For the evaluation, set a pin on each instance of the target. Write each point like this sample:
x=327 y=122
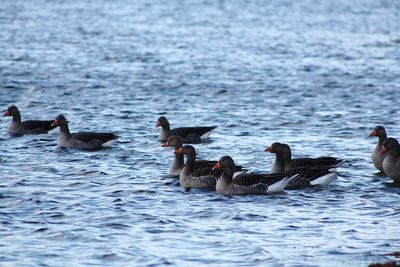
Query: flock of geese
x=223 y=175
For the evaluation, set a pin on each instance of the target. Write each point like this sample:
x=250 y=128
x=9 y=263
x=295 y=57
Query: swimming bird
x=201 y=167
x=226 y=186
x=312 y=171
x=18 y=128
x=391 y=163
x=188 y=134
x=377 y=158
x=186 y=178
x=82 y=140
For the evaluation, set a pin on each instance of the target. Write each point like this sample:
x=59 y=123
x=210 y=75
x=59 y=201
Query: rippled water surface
x=315 y=74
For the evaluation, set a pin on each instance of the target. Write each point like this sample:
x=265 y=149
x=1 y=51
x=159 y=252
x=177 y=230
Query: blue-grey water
x=317 y=75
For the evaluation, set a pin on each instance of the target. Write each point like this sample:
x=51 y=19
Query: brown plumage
x=19 y=128
x=201 y=167
x=311 y=171
x=189 y=135
x=82 y=140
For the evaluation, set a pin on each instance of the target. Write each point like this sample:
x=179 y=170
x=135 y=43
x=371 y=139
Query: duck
x=377 y=158
x=186 y=178
x=18 y=128
x=311 y=171
x=226 y=186
x=89 y=141
x=201 y=167
x=391 y=163
x=189 y=135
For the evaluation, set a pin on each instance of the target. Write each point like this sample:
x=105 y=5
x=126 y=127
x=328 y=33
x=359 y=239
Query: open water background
x=315 y=74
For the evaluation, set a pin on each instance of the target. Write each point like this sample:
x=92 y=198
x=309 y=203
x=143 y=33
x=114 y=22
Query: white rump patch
x=280 y=185
x=111 y=142
x=324 y=180
x=206 y=135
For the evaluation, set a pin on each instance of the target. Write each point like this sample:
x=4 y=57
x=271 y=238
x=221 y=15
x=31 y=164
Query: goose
x=186 y=178
x=82 y=140
x=312 y=171
x=201 y=167
x=391 y=163
x=18 y=128
x=188 y=134
x=377 y=158
x=226 y=186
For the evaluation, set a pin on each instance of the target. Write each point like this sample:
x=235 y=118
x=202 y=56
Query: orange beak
x=165 y=144
x=55 y=123
x=217 y=166
x=179 y=150
x=6 y=113
x=382 y=151
x=158 y=124
x=373 y=133
x=268 y=149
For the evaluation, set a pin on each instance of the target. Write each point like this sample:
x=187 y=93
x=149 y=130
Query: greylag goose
x=377 y=158
x=18 y=128
x=201 y=167
x=226 y=186
x=188 y=134
x=312 y=171
x=391 y=163
x=186 y=177
x=82 y=140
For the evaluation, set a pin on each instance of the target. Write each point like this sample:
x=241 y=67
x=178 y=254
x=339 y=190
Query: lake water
x=318 y=75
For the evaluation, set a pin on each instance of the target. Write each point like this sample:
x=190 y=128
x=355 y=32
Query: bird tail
x=324 y=179
x=281 y=184
x=110 y=142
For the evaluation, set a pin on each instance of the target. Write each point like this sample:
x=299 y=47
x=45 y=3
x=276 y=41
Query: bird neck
x=382 y=138
x=17 y=117
x=227 y=175
x=165 y=131
x=178 y=160
x=64 y=129
x=189 y=166
x=283 y=159
x=166 y=127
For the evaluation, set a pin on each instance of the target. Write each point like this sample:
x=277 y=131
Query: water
x=316 y=75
